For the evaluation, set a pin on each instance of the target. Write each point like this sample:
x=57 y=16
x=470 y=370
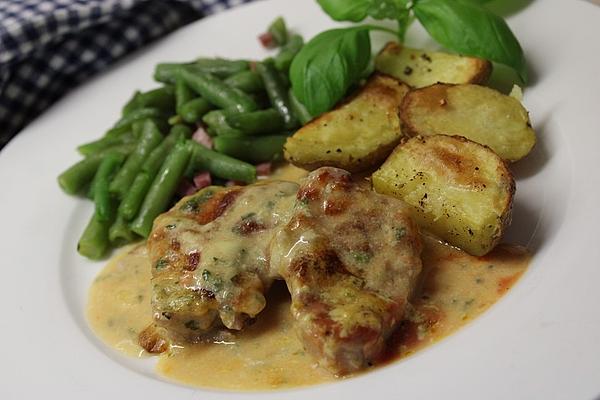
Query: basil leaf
x=387 y=9
x=357 y=10
x=470 y=29
x=326 y=66
x=346 y=10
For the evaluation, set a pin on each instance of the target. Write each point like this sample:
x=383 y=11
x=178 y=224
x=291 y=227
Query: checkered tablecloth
x=47 y=47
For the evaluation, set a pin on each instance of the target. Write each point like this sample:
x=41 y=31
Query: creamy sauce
x=268 y=355
x=455 y=289
x=119 y=301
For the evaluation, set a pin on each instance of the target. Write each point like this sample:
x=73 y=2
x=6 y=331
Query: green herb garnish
x=336 y=59
x=360 y=256
x=160 y=264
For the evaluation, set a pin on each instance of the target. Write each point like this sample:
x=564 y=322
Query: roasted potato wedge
x=459 y=190
x=357 y=135
x=478 y=113
x=420 y=68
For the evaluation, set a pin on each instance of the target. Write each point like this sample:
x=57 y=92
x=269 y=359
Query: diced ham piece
x=202 y=180
x=263 y=169
x=202 y=137
x=267 y=40
x=186 y=188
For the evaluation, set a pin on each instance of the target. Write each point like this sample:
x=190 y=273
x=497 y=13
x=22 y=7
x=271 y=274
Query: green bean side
x=133 y=171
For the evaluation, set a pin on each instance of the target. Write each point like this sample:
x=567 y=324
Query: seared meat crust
x=350 y=258
x=210 y=257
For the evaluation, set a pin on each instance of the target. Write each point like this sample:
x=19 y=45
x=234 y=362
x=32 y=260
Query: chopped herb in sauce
x=161 y=264
x=248 y=216
x=399 y=232
x=214 y=281
x=170 y=227
x=206 y=275
x=193 y=204
x=361 y=256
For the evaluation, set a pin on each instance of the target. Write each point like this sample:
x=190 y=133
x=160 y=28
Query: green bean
x=256 y=122
x=183 y=94
x=211 y=132
x=216 y=120
x=220 y=165
x=125 y=123
x=92 y=187
x=94 y=241
x=76 y=177
x=252 y=149
x=286 y=55
x=248 y=81
x=279 y=31
x=277 y=93
x=217 y=92
x=167 y=72
x=284 y=79
x=151 y=137
x=104 y=143
x=120 y=233
x=134 y=197
x=157 y=156
x=110 y=163
x=194 y=110
x=162 y=98
x=97 y=176
x=261 y=99
x=298 y=109
x=181 y=129
x=138 y=115
x=132 y=104
x=116 y=132
x=220 y=67
x=162 y=189
x=175 y=120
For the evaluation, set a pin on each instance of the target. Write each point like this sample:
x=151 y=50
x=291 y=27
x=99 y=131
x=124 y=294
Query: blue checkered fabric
x=48 y=47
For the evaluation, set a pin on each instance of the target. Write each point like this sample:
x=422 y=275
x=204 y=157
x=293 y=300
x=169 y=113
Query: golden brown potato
x=357 y=135
x=419 y=68
x=459 y=190
x=478 y=113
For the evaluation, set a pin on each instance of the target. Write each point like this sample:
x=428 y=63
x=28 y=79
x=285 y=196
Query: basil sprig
x=332 y=61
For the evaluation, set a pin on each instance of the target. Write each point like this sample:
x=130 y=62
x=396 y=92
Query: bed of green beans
x=133 y=172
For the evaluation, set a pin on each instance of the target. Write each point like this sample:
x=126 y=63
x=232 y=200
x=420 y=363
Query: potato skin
x=458 y=190
x=478 y=113
x=420 y=68
x=357 y=135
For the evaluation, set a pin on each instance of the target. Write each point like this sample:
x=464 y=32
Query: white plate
x=541 y=341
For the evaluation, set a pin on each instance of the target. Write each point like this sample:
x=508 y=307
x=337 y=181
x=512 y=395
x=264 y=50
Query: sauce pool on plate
x=456 y=288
